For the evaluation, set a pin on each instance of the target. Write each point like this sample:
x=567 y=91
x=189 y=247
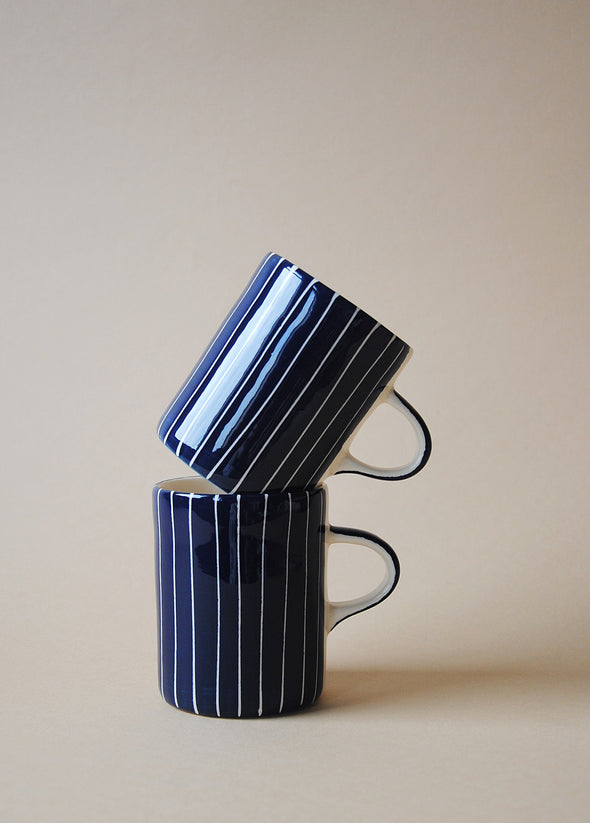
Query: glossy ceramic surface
x=289 y=376
x=242 y=618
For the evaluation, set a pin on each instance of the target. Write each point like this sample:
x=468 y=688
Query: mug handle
x=338 y=611
x=348 y=463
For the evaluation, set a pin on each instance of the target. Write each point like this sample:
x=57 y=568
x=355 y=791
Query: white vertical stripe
x=262 y=573
x=217 y=663
x=320 y=599
x=239 y=610
x=160 y=592
x=332 y=390
x=301 y=393
x=388 y=369
x=305 y=600
x=326 y=452
x=249 y=342
x=285 y=606
x=193 y=649
x=221 y=388
x=275 y=389
x=209 y=349
x=174 y=598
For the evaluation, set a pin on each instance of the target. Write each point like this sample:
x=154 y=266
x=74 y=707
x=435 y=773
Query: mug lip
x=195 y=486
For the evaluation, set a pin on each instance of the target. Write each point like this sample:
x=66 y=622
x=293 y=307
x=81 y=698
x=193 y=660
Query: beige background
x=428 y=160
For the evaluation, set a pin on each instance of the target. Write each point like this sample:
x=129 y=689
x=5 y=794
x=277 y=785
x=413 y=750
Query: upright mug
x=279 y=394
x=242 y=611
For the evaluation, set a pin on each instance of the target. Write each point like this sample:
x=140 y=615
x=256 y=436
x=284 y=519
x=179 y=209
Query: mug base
x=207 y=710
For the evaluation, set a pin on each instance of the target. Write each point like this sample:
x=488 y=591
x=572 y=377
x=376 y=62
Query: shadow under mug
x=276 y=399
x=240 y=585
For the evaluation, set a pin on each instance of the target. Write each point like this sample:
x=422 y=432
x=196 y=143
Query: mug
x=277 y=397
x=242 y=612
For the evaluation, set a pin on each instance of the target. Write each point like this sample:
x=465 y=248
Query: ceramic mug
x=278 y=396
x=242 y=610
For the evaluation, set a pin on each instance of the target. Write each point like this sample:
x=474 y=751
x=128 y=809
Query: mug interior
x=189 y=485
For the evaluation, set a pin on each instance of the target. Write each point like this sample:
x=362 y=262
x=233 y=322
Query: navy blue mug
x=242 y=611
x=276 y=399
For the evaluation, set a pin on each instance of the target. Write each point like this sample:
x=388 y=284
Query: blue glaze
x=241 y=607
x=289 y=376
x=242 y=614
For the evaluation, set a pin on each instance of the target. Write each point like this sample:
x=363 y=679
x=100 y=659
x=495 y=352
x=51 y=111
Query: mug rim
x=200 y=487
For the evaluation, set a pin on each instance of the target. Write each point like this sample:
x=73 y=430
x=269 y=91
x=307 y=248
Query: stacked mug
x=267 y=414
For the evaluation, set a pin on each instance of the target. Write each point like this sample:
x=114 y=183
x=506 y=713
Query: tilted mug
x=278 y=396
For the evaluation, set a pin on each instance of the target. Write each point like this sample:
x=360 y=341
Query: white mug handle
x=340 y=610
x=346 y=462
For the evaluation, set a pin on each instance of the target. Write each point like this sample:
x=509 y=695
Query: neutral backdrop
x=429 y=161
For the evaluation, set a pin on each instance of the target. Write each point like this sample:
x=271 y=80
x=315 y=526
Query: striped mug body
x=279 y=394
x=240 y=585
